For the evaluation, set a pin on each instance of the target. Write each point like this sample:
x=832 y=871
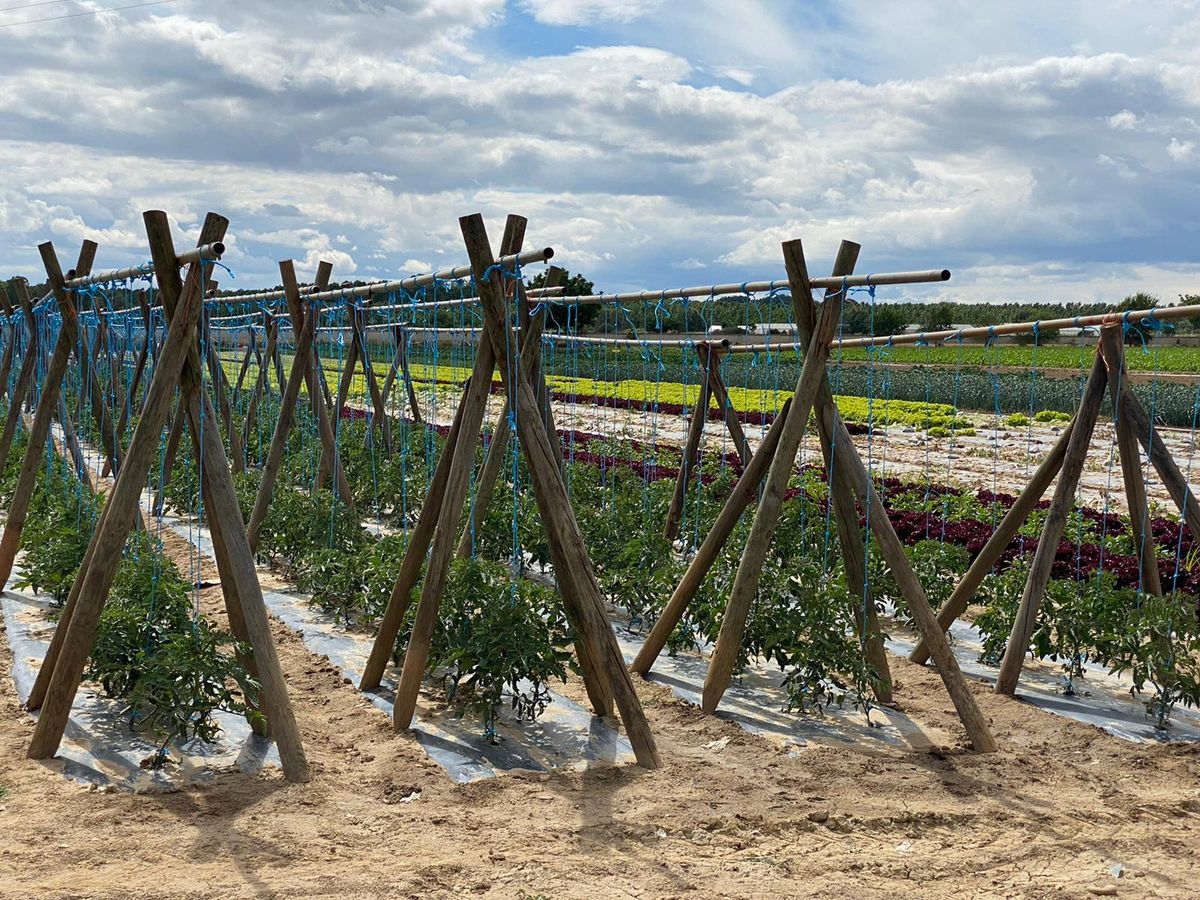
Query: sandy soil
x=1049 y=816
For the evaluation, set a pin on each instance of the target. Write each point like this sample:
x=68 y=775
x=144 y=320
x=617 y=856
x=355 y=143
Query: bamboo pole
x=724 y=657
x=983 y=563
x=51 y=384
x=602 y=661
x=1056 y=520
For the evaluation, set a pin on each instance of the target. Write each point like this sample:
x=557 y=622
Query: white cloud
x=1180 y=150
x=588 y=12
x=1124 y=120
x=318 y=134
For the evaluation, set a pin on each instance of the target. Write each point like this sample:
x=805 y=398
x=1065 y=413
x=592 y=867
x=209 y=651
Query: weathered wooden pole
x=1056 y=520
x=1131 y=464
x=51 y=384
x=531 y=342
x=601 y=661
x=80 y=622
x=712 y=361
x=301 y=359
x=690 y=457
x=983 y=563
x=25 y=374
x=851 y=540
x=744 y=493
x=381 y=419
x=10 y=345
x=725 y=654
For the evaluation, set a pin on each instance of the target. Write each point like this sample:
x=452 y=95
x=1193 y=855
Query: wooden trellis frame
x=605 y=675
x=1065 y=462
x=712 y=387
x=29 y=361
x=399 y=367
x=178 y=366
x=775 y=460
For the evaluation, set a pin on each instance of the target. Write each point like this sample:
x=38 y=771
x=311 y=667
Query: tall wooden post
x=301 y=366
x=25 y=375
x=691 y=455
x=39 y=431
x=1056 y=521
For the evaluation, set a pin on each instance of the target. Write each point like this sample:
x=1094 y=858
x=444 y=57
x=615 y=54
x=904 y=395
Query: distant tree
x=1191 y=300
x=1136 y=332
x=575 y=286
x=937 y=316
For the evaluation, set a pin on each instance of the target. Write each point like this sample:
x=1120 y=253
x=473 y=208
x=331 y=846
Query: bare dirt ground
x=1048 y=816
x=1063 y=811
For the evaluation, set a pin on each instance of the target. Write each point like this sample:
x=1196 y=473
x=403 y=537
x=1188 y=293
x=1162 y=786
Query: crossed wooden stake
x=437 y=528
x=178 y=366
x=775 y=460
x=712 y=387
x=1065 y=462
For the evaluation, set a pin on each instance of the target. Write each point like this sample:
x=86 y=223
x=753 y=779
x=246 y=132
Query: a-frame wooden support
x=852 y=484
x=1067 y=457
x=178 y=365
x=29 y=361
x=604 y=672
x=712 y=387
x=400 y=367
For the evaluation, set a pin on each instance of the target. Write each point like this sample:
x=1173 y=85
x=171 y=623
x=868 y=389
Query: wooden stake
x=414 y=558
x=1016 y=516
x=712 y=359
x=851 y=539
x=531 y=337
x=107 y=543
x=690 y=458
x=1168 y=470
x=602 y=661
x=1131 y=464
x=1056 y=520
x=301 y=366
x=744 y=493
x=381 y=419
x=725 y=654
x=64 y=346
x=24 y=376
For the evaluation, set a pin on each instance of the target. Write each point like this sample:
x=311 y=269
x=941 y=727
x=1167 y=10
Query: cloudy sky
x=1039 y=149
